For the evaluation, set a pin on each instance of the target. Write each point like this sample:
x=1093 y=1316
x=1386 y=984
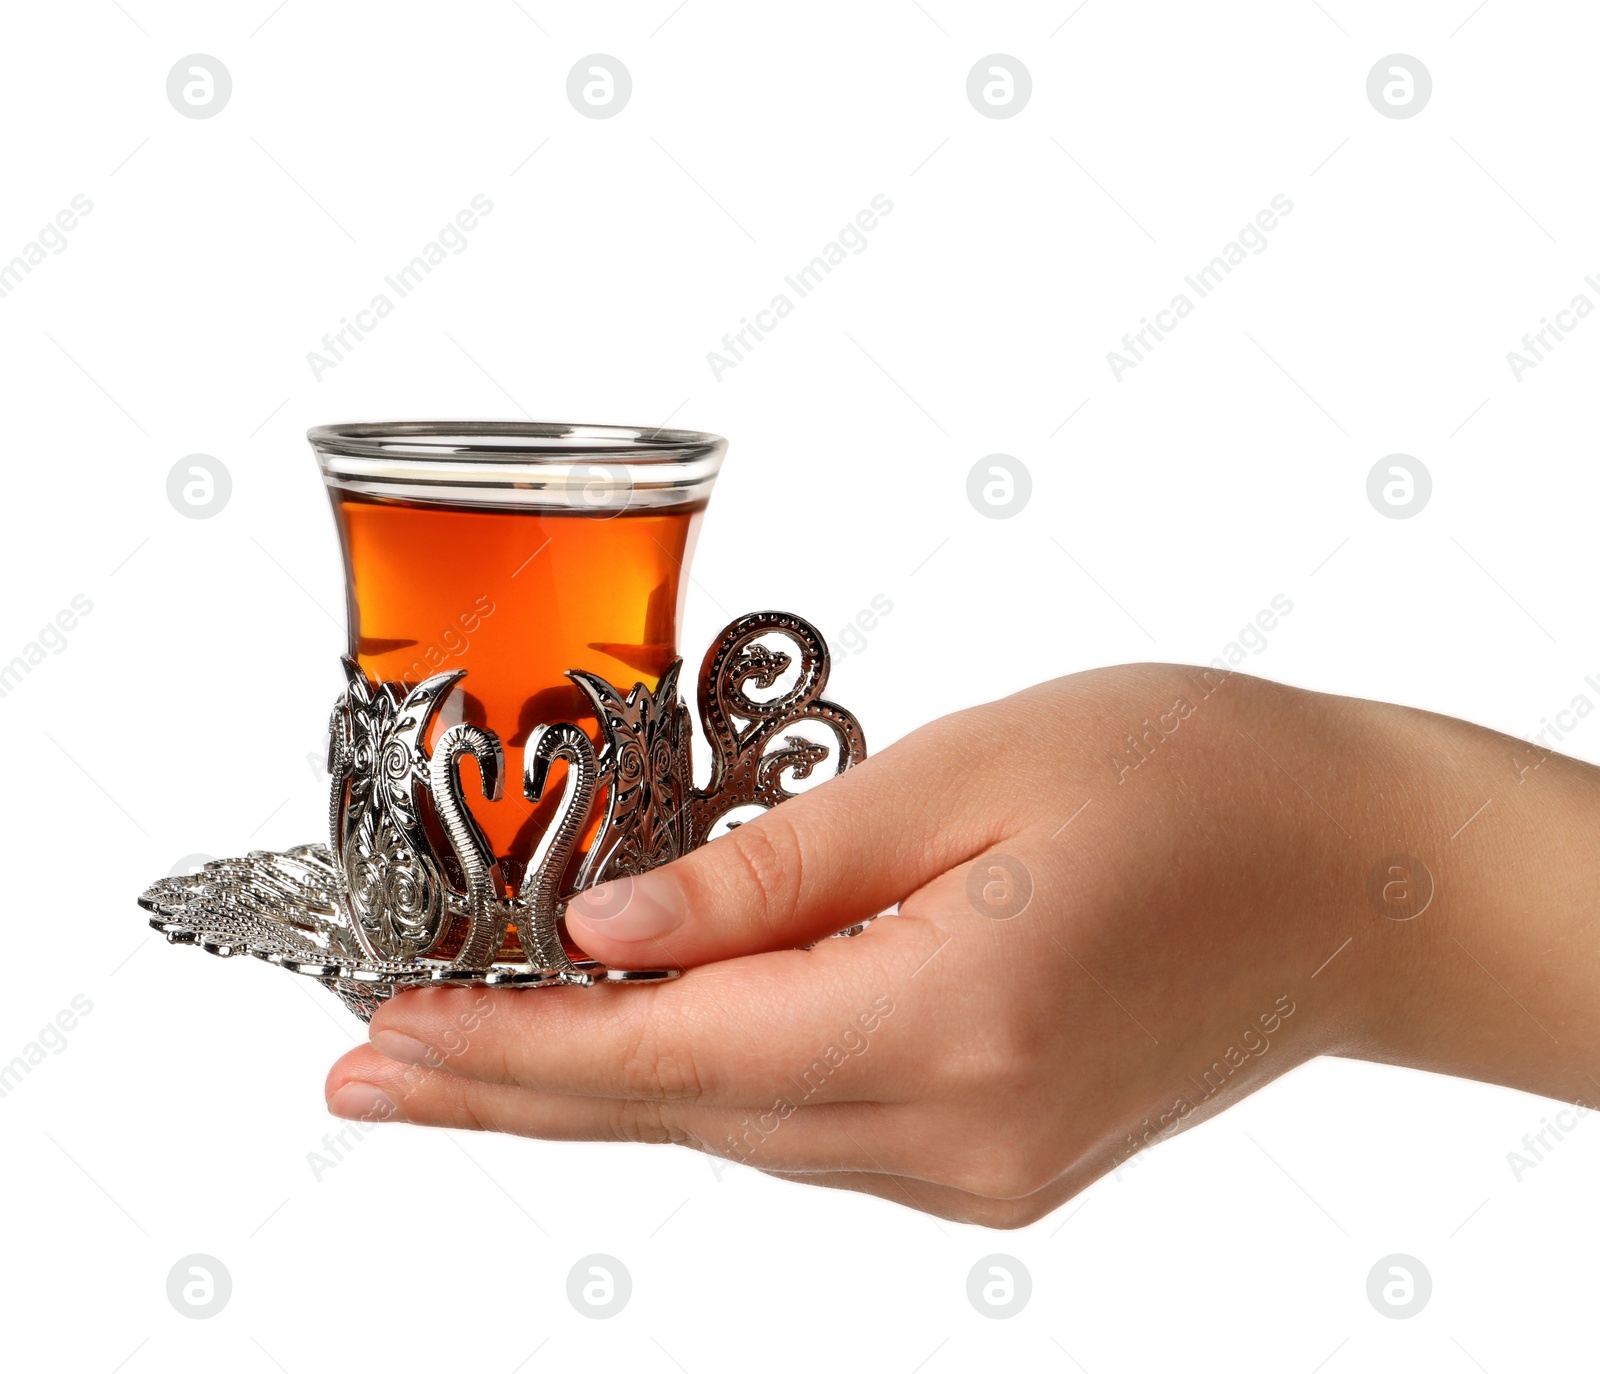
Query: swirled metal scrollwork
x=745 y=770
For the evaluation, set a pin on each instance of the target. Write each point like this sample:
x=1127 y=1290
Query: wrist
x=1479 y=949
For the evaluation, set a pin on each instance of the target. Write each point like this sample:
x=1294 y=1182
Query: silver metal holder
x=403 y=894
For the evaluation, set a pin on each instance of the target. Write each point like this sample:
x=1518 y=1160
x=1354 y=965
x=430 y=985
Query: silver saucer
x=282 y=908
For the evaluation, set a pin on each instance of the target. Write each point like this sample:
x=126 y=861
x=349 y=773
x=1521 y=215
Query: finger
x=810 y=1026
x=821 y=861
x=366 y=1086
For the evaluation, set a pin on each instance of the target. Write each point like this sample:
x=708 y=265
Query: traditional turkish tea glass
x=510 y=553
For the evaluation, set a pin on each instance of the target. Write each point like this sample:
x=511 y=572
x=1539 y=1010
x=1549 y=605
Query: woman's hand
x=1126 y=899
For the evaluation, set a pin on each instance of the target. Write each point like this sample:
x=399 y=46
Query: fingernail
x=642 y=908
x=405 y=1049
x=363 y=1102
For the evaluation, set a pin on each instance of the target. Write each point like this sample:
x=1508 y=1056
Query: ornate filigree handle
x=743 y=770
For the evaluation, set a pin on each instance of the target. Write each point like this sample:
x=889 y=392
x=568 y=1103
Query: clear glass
x=516 y=552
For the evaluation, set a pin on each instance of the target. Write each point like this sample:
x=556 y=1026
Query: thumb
x=826 y=859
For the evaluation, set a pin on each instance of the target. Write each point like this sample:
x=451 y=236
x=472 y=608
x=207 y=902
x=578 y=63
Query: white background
x=1168 y=510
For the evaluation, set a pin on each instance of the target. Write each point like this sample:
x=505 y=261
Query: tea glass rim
x=526 y=463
